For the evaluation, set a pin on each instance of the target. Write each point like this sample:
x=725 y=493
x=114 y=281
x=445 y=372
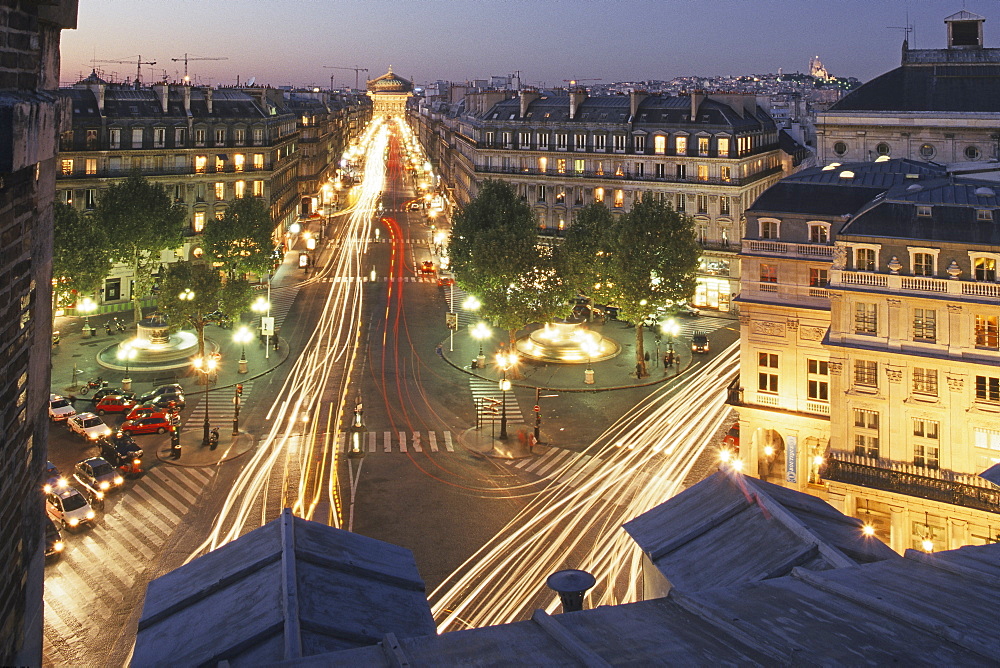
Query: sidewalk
x=75 y=351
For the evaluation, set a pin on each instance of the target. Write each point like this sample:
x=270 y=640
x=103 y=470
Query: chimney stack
x=187 y=100
x=527 y=97
x=696 y=97
x=208 y=98
x=571 y=585
x=576 y=98
x=635 y=99
x=163 y=92
x=98 y=89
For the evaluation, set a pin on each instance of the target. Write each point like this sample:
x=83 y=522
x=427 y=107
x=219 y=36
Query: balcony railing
x=624 y=176
x=772 y=247
x=918 y=284
x=942 y=486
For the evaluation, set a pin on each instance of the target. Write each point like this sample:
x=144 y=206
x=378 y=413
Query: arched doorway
x=305 y=207
x=770 y=456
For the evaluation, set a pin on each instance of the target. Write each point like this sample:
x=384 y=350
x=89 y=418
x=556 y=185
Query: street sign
x=451 y=320
x=267 y=325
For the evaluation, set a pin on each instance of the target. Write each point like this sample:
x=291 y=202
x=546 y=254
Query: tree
x=81 y=254
x=651 y=258
x=235 y=298
x=495 y=255
x=188 y=293
x=141 y=222
x=582 y=255
x=243 y=239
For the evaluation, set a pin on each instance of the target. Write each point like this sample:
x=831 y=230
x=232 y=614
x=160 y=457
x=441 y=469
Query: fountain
x=156 y=349
x=566 y=342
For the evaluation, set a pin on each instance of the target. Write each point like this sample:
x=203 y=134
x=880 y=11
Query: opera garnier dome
x=389 y=93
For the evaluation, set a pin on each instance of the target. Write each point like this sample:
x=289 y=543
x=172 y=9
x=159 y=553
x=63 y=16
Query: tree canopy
x=141 y=222
x=81 y=254
x=201 y=287
x=243 y=239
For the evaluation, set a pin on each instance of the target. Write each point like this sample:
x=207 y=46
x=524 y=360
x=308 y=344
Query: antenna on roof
x=907 y=28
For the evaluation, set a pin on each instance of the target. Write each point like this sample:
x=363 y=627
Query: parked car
x=699 y=343
x=88 y=426
x=68 y=507
x=54 y=544
x=114 y=403
x=98 y=475
x=105 y=391
x=686 y=310
x=60 y=408
x=147 y=425
x=732 y=438
x=53 y=479
x=162 y=400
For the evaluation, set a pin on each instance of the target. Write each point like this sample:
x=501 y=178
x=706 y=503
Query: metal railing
x=623 y=176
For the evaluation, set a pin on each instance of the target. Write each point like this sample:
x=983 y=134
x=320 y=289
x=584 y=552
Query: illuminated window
x=924 y=325
x=866 y=373
x=578 y=166
x=200 y=164
x=220 y=190
x=702 y=146
x=238 y=161
x=681 y=144
x=660 y=144
x=725 y=172
x=619 y=198
x=925 y=381
x=985 y=269
x=619 y=169
x=768 y=273
x=258 y=161
x=767 y=372
x=599 y=168
x=818 y=380
x=240 y=188
x=67 y=167
x=91 y=165
x=925 y=443
x=543 y=164
x=258 y=188
x=866 y=433
x=561 y=196
x=703 y=172
x=987 y=335
x=865 y=318
x=561 y=166
x=199 y=221
x=220 y=163
x=723 y=144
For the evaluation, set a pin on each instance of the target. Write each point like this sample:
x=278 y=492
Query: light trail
x=575 y=522
x=295 y=454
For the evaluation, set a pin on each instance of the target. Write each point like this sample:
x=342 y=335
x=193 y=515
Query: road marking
x=402 y=441
x=163 y=497
x=182 y=477
x=149 y=515
x=553 y=462
x=416 y=442
x=387 y=442
x=125 y=532
x=180 y=489
x=447 y=442
x=100 y=550
x=432 y=437
x=371 y=441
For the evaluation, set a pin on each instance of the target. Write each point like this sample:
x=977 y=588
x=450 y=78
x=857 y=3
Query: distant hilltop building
x=816 y=68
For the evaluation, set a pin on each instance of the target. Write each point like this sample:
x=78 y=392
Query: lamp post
x=86 y=307
x=127 y=353
x=479 y=332
x=205 y=365
x=504 y=361
x=263 y=307
x=241 y=336
x=590 y=347
x=670 y=328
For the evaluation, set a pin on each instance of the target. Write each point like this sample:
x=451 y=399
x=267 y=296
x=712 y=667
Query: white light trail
x=575 y=522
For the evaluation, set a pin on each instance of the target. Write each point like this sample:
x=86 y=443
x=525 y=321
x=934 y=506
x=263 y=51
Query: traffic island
x=194 y=454
x=485 y=442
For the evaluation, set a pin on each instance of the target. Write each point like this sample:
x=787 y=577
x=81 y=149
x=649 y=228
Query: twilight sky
x=283 y=42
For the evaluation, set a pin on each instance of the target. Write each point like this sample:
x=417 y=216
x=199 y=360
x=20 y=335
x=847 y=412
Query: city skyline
x=546 y=42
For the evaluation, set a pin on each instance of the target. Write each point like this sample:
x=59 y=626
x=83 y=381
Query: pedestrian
x=439 y=349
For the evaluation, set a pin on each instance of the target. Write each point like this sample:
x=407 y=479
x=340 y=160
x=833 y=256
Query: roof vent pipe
x=571 y=585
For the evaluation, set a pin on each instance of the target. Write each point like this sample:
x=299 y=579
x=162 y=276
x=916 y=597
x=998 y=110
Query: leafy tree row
x=644 y=257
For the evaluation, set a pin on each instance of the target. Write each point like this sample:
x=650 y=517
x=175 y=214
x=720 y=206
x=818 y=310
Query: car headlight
x=98 y=495
x=136 y=462
x=62 y=482
x=73 y=521
x=58 y=546
x=47 y=488
x=91 y=514
x=119 y=480
x=104 y=484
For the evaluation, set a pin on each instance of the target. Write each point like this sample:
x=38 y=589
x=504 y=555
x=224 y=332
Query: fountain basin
x=566 y=342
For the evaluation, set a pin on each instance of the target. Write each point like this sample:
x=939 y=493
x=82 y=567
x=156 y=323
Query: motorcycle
x=93 y=385
x=55 y=337
x=107 y=327
x=213 y=438
x=119 y=325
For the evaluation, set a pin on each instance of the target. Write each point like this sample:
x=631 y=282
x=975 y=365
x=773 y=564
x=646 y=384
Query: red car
x=147 y=425
x=732 y=438
x=147 y=411
x=114 y=403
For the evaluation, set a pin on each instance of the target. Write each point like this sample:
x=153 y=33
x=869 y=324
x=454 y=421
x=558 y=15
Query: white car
x=60 y=408
x=89 y=426
x=68 y=507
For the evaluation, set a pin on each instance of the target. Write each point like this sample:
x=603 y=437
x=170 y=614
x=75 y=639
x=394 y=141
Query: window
x=598 y=194
x=239 y=136
x=180 y=137
x=159 y=137
x=988 y=439
x=818 y=380
x=724 y=206
x=599 y=168
x=258 y=161
x=818 y=277
x=136 y=137
x=220 y=136
x=91 y=165
x=725 y=172
x=767 y=372
x=864 y=259
x=925 y=443
x=199 y=136
x=972 y=153
x=865 y=433
x=768 y=273
x=640 y=169
x=660 y=144
x=543 y=141
x=985 y=268
x=681 y=202
x=541 y=193
x=90 y=198
x=67 y=166
x=703 y=172
x=115 y=137
x=238 y=162
x=927 y=151
x=883 y=149
x=258 y=136
x=702 y=146
x=819 y=234
x=987 y=335
x=682 y=171
x=923 y=264
x=723 y=145
x=865 y=318
x=258 y=188
x=924 y=211
x=681 y=144
x=702 y=202
x=925 y=381
x=561 y=166
x=200 y=164
x=220 y=190
x=505 y=138
x=924 y=324
x=984 y=215
x=661 y=171
x=768 y=229
x=619 y=198
x=640 y=143
x=199 y=221
x=562 y=140
x=988 y=388
x=543 y=165
x=840 y=148
x=240 y=188
x=578 y=165
x=866 y=373
x=560 y=196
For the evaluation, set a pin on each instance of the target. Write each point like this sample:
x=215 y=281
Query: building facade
x=940 y=105
x=707 y=155
x=30 y=118
x=868 y=347
x=389 y=94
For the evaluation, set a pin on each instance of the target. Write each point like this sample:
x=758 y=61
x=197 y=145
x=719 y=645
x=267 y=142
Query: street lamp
x=263 y=306
x=86 y=307
x=504 y=361
x=670 y=328
x=126 y=352
x=186 y=295
x=479 y=332
x=205 y=365
x=241 y=336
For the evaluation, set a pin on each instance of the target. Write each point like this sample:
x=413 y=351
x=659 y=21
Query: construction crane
x=357 y=70
x=186 y=58
x=139 y=62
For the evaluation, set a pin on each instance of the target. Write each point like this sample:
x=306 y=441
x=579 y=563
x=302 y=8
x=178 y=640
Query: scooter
x=93 y=385
x=119 y=325
x=107 y=327
x=213 y=438
x=55 y=338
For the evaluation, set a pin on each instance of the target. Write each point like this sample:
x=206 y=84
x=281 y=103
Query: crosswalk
x=705 y=323
x=281 y=302
x=403 y=441
x=488 y=399
x=412 y=242
x=220 y=405
x=571 y=468
x=378 y=279
x=103 y=564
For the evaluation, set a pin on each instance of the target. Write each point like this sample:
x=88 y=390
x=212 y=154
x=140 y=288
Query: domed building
x=389 y=93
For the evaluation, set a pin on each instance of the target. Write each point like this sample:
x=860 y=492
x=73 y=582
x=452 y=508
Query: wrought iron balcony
x=942 y=489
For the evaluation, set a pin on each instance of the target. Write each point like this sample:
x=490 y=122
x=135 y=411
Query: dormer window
x=819 y=233
x=984 y=215
x=924 y=211
x=769 y=229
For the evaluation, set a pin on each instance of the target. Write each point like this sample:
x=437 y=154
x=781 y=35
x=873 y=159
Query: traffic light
x=239 y=389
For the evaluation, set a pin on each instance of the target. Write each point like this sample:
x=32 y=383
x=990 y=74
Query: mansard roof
x=390 y=83
x=129 y=103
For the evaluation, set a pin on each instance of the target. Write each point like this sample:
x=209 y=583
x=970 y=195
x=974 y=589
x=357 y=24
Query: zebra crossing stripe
x=402 y=441
x=447 y=442
x=416 y=442
x=552 y=463
x=387 y=442
x=371 y=441
x=432 y=437
x=177 y=489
